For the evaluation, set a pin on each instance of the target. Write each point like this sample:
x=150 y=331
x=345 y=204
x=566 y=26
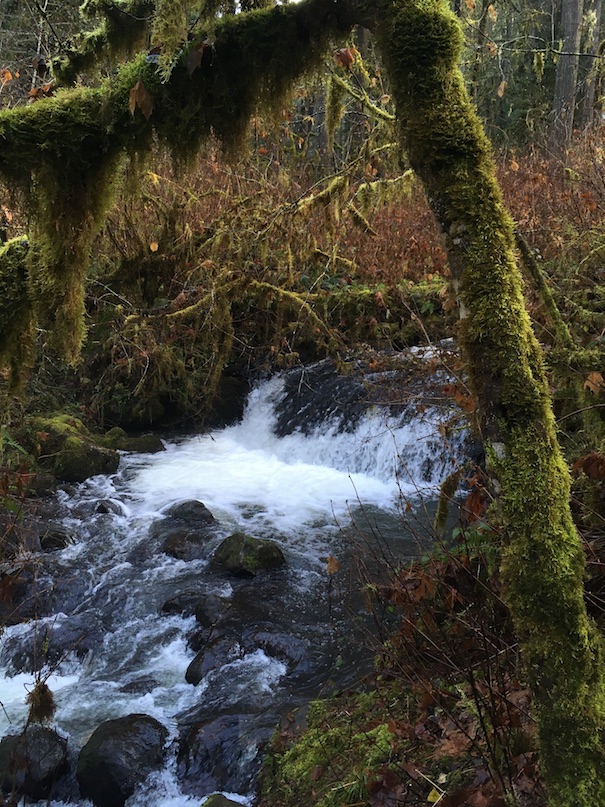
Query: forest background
x=321 y=239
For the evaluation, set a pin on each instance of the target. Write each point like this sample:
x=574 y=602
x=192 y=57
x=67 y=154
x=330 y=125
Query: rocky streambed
x=179 y=606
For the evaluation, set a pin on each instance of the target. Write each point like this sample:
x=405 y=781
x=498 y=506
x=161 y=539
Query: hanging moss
x=62 y=155
x=16 y=315
x=124 y=30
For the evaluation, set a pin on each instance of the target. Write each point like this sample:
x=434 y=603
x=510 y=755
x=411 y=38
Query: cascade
x=317 y=457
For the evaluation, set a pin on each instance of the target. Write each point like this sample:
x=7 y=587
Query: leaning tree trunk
x=543 y=562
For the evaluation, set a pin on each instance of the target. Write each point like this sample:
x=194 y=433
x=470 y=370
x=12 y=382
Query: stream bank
x=126 y=607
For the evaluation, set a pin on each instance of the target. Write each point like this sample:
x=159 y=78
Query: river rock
x=32 y=762
x=119 y=756
x=49 y=642
x=119 y=440
x=185 y=530
x=187 y=544
x=26 y=592
x=191 y=511
x=245 y=556
x=221 y=754
x=54 y=539
x=217 y=652
x=218 y=800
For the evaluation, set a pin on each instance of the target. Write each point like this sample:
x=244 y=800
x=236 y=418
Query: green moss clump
x=342 y=752
x=16 y=315
x=63 y=446
x=123 y=30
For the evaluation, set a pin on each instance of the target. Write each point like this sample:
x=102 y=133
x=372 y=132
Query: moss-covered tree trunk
x=543 y=562
x=63 y=151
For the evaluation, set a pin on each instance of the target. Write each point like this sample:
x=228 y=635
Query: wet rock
x=215 y=654
x=184 y=603
x=222 y=754
x=245 y=556
x=140 y=686
x=191 y=511
x=54 y=539
x=185 y=530
x=187 y=544
x=120 y=755
x=210 y=610
x=107 y=506
x=27 y=592
x=218 y=800
x=52 y=641
x=119 y=440
x=32 y=762
x=282 y=646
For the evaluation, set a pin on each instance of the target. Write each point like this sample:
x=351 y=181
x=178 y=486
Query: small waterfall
x=297 y=471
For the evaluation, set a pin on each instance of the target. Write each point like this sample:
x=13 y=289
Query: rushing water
x=316 y=493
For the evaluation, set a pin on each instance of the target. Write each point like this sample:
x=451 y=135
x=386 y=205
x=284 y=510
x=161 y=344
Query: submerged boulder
x=119 y=756
x=32 y=762
x=245 y=556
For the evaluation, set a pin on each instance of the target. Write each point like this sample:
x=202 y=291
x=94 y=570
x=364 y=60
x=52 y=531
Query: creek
x=316 y=465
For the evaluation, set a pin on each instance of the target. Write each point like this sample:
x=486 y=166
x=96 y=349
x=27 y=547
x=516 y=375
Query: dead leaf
x=470 y=4
x=154 y=246
x=492 y=49
x=501 y=89
x=595 y=383
x=140 y=97
x=592 y=464
x=492 y=13
x=332 y=565
x=514 y=165
x=344 y=57
x=194 y=58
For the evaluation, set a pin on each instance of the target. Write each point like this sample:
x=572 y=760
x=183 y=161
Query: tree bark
x=564 y=100
x=594 y=68
x=543 y=561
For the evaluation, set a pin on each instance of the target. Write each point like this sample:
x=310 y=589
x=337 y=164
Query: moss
x=62 y=156
x=63 y=446
x=543 y=563
x=123 y=30
x=16 y=315
x=244 y=555
x=345 y=747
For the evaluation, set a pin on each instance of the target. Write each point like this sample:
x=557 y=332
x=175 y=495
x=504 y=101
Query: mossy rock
x=245 y=556
x=63 y=446
x=218 y=800
x=118 y=440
